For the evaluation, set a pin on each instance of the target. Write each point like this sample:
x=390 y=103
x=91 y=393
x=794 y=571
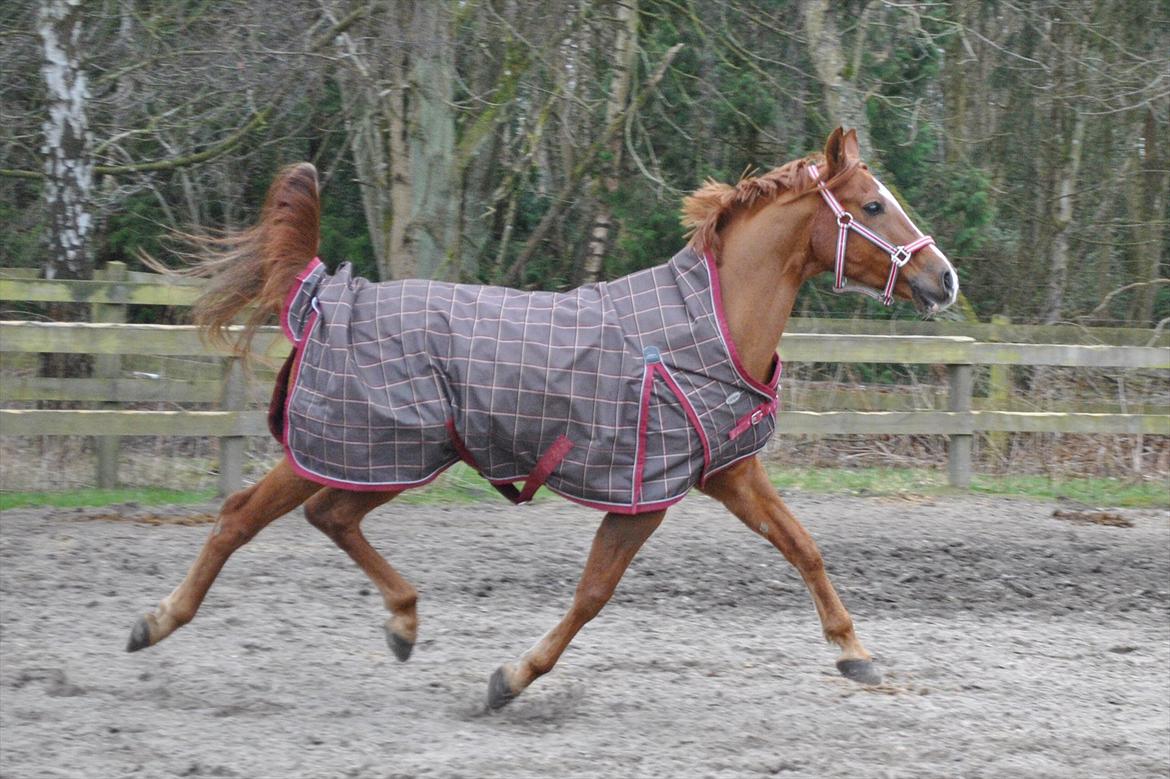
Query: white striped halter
x=899 y=255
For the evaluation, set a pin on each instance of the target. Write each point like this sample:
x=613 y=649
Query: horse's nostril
x=948 y=281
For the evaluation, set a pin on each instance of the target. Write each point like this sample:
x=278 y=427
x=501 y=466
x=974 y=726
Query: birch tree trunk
x=625 y=60
x=68 y=161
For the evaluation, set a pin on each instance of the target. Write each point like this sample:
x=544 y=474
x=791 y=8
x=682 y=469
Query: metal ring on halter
x=844 y=218
x=900 y=256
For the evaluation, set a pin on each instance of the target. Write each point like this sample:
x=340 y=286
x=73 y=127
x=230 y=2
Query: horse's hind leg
x=243 y=515
x=747 y=493
x=617 y=541
x=338 y=514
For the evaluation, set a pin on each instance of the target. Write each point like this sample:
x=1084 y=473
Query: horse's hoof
x=139 y=636
x=399 y=645
x=860 y=671
x=499 y=692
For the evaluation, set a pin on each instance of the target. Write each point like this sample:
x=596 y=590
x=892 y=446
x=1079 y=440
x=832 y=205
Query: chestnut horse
x=768 y=235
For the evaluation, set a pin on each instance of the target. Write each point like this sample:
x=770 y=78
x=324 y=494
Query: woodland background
x=546 y=144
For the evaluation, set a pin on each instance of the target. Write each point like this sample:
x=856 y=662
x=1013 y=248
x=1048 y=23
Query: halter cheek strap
x=899 y=255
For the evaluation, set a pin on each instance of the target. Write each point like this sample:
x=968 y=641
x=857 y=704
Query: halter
x=899 y=255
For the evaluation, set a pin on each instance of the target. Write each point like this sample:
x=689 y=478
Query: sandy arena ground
x=1015 y=644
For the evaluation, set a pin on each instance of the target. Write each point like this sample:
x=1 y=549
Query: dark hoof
x=499 y=693
x=139 y=636
x=399 y=645
x=860 y=671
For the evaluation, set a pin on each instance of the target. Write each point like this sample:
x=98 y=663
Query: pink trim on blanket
x=692 y=416
x=292 y=293
x=643 y=427
x=620 y=508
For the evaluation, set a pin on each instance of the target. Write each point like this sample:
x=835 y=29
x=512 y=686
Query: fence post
x=999 y=387
x=231 y=448
x=108 y=366
x=962 y=383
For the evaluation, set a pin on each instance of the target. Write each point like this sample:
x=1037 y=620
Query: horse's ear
x=841 y=151
x=834 y=152
x=850 y=147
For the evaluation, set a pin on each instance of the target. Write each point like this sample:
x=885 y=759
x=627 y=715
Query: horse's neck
x=759 y=276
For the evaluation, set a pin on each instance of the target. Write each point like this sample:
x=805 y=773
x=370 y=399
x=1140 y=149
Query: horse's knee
x=808 y=559
x=235 y=503
x=231 y=532
x=798 y=547
x=591 y=599
x=232 y=529
x=324 y=516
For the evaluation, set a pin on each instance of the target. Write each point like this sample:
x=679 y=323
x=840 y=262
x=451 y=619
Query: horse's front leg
x=617 y=541
x=746 y=491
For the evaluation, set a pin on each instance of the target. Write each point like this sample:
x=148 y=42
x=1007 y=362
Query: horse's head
x=862 y=234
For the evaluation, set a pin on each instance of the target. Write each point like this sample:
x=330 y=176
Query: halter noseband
x=899 y=255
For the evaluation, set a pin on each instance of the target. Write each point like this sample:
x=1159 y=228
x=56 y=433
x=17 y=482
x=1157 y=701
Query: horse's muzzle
x=933 y=292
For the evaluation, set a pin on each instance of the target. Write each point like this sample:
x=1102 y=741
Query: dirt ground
x=1015 y=643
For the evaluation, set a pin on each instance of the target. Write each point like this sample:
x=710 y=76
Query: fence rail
x=221 y=381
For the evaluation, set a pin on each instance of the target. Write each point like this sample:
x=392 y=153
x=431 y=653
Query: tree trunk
x=367 y=147
x=625 y=61
x=958 y=81
x=69 y=167
x=844 y=99
x=431 y=132
x=1067 y=123
x=1062 y=221
x=402 y=135
x=1149 y=191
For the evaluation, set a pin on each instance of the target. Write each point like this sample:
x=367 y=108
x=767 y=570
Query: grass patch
x=457 y=484
x=146 y=496
x=460 y=485
x=1096 y=491
x=879 y=481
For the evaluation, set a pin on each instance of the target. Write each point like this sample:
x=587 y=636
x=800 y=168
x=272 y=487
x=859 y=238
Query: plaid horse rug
x=620 y=395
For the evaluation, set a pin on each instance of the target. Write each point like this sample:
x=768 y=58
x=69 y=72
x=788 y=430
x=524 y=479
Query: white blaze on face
x=894 y=207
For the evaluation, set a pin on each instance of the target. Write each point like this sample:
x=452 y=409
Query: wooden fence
x=959 y=347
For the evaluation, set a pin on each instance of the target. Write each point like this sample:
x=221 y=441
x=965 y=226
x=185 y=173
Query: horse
x=751 y=245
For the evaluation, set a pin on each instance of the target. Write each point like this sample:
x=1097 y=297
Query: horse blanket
x=620 y=395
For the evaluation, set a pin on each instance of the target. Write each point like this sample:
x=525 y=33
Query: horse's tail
x=255 y=268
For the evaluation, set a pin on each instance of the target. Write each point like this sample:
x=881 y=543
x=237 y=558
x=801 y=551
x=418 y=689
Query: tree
x=68 y=156
x=480 y=141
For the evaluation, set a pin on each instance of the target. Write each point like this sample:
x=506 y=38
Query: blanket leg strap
x=544 y=467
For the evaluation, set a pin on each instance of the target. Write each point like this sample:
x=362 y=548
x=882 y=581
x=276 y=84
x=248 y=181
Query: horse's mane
x=710 y=207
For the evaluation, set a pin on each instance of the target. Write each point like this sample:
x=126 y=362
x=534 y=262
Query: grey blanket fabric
x=621 y=395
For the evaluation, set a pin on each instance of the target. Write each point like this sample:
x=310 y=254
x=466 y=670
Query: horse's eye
x=874 y=208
